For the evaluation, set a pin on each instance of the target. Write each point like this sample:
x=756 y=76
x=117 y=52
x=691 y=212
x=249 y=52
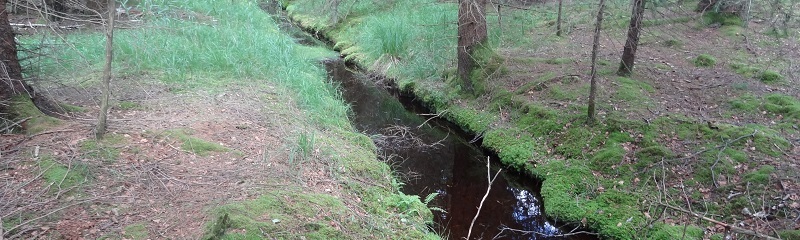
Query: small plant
x=304 y=148
x=704 y=60
x=673 y=43
x=769 y=76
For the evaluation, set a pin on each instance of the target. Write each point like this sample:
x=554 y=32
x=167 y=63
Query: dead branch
x=572 y=233
x=62 y=208
x=489 y=188
x=727 y=226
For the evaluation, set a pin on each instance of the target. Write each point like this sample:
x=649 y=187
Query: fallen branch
x=15 y=124
x=491 y=180
x=727 y=226
x=59 y=209
x=542 y=234
x=33 y=25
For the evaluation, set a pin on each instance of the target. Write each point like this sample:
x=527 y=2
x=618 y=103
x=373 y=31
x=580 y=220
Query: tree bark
x=558 y=21
x=10 y=70
x=100 y=130
x=593 y=84
x=629 y=51
x=471 y=34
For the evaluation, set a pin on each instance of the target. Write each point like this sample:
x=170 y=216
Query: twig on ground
x=571 y=233
x=61 y=208
x=727 y=226
x=489 y=188
x=431 y=118
x=15 y=124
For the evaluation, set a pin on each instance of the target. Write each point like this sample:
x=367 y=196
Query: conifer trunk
x=472 y=33
x=631 y=45
x=593 y=85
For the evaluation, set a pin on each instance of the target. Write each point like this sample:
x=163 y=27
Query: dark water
x=433 y=157
x=453 y=168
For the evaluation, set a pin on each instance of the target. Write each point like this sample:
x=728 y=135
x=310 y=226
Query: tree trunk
x=471 y=34
x=10 y=70
x=558 y=21
x=629 y=52
x=100 y=130
x=595 y=45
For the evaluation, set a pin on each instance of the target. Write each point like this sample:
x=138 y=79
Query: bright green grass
x=211 y=44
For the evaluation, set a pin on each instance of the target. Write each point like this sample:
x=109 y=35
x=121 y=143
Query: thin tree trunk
x=629 y=52
x=471 y=34
x=102 y=118
x=10 y=70
x=595 y=45
x=499 y=18
x=558 y=21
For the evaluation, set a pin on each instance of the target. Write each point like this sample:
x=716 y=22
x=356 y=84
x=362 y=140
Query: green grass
x=194 y=144
x=213 y=45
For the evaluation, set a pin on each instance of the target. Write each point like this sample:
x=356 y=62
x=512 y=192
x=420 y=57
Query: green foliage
x=386 y=35
x=673 y=43
x=704 y=60
x=761 y=176
x=558 y=61
x=769 y=76
x=136 y=231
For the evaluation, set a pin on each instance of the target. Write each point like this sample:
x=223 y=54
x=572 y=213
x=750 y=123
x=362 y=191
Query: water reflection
x=453 y=168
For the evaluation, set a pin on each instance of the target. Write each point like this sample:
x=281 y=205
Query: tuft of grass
x=304 y=148
x=745 y=70
x=704 y=60
x=745 y=103
x=558 y=61
x=769 y=76
x=724 y=19
x=71 y=108
x=672 y=43
x=632 y=90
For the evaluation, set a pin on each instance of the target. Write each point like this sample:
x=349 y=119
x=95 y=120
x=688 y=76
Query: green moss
x=673 y=43
x=128 y=105
x=471 y=120
x=514 y=146
x=137 y=231
x=769 y=76
x=290 y=214
x=704 y=60
x=789 y=234
x=744 y=70
x=22 y=107
x=725 y=19
x=652 y=154
x=764 y=139
x=488 y=64
x=106 y=149
x=195 y=145
x=61 y=176
x=71 y=108
x=667 y=232
x=632 y=90
x=558 y=61
x=609 y=156
x=787 y=106
x=761 y=176
x=745 y=103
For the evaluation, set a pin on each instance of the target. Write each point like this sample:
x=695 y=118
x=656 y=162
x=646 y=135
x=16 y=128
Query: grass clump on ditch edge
x=704 y=60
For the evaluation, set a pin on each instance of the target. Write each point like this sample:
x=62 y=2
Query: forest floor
x=237 y=160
